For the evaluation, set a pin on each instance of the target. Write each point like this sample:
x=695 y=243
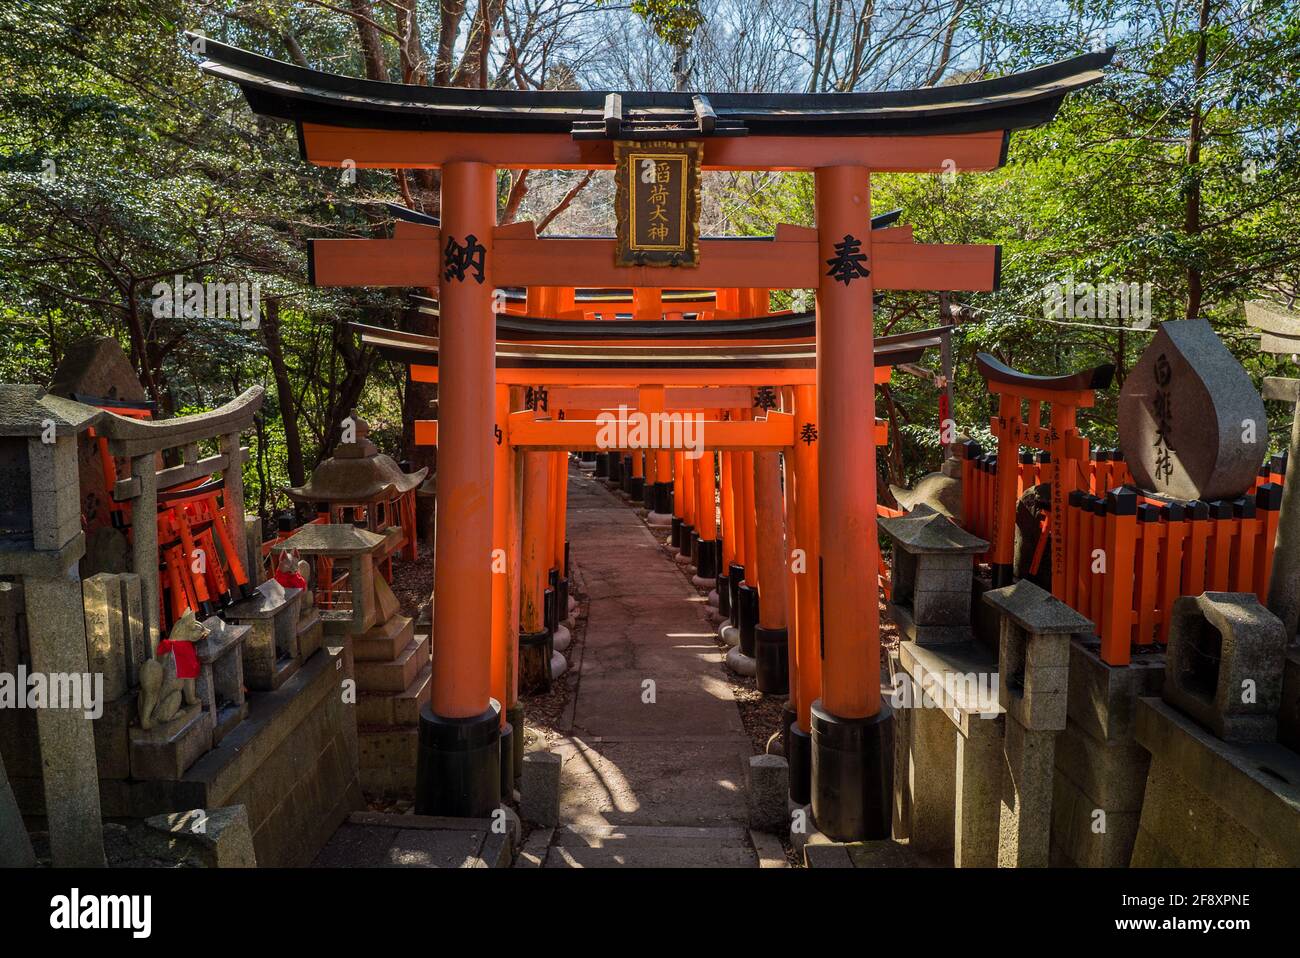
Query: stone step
x=383 y=642
x=406 y=706
x=620 y=855
x=650 y=836
x=395 y=676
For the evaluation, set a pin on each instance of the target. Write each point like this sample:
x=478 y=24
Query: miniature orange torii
x=1019 y=422
x=469 y=134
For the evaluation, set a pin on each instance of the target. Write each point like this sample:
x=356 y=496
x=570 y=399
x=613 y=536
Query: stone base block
x=1211 y=803
x=387 y=761
x=167 y=751
x=539 y=788
x=311 y=633
x=397 y=675
x=769 y=786
x=385 y=641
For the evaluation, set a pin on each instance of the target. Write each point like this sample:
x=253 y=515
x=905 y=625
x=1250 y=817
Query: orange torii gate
x=469 y=135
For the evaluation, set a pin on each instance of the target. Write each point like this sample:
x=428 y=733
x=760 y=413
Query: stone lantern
x=41 y=541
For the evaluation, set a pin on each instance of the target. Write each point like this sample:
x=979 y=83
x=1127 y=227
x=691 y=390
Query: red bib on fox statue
x=187 y=660
x=287 y=572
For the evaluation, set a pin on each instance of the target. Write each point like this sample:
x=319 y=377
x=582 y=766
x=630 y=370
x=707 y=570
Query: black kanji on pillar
x=459 y=259
x=849 y=262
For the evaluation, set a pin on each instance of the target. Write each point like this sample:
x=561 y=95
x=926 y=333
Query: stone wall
x=292 y=763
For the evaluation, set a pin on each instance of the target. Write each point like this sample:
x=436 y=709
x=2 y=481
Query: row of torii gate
x=497 y=457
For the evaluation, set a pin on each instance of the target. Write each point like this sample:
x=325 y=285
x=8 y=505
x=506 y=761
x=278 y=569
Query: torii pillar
x=459 y=765
x=852 y=728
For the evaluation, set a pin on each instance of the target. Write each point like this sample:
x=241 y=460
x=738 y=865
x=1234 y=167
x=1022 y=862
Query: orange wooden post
x=1268 y=500
x=1195 y=554
x=560 y=487
x=771 y=638
x=1243 y=562
x=747 y=592
x=1071 y=571
x=535 y=560
x=1171 y=564
x=1121 y=555
x=1005 y=488
x=729 y=537
x=1223 y=532
x=852 y=729
x=663 y=483
x=459 y=761
x=708 y=561
x=1149 y=545
x=503 y=489
x=801 y=477
x=1097 y=585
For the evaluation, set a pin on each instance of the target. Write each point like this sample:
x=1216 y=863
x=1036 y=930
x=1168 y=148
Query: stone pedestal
x=220 y=684
x=949 y=754
x=271 y=653
x=1100 y=770
x=166 y=751
x=394 y=672
x=1033 y=670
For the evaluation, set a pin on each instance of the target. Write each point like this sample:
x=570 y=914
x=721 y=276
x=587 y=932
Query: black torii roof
x=282 y=90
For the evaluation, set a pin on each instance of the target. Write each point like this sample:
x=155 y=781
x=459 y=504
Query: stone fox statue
x=167 y=680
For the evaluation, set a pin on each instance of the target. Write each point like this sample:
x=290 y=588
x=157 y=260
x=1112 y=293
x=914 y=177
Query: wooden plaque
x=657 y=194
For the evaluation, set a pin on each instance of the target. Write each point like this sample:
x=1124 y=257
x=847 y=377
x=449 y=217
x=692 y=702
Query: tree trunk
x=1192 y=217
x=372 y=48
x=284 y=391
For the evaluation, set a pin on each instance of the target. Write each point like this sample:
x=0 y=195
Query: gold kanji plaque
x=657 y=193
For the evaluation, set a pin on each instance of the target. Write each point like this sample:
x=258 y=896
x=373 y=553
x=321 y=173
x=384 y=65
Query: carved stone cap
x=924 y=531
x=1037 y=611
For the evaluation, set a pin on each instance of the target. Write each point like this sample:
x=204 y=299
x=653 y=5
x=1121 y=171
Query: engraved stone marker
x=1191 y=423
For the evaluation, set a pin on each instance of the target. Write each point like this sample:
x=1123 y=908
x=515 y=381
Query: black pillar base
x=549 y=610
x=602 y=465
x=615 y=469
x=788 y=717
x=724 y=596
x=458 y=766
x=706 y=566
x=675 y=537
x=648 y=495
x=735 y=576
x=515 y=716
x=684 y=539
x=747 y=622
x=771 y=660
x=535 y=650
x=636 y=488
x=562 y=601
x=852 y=774
x=507 y=762
x=799 y=756
x=663 y=498
x=625 y=480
